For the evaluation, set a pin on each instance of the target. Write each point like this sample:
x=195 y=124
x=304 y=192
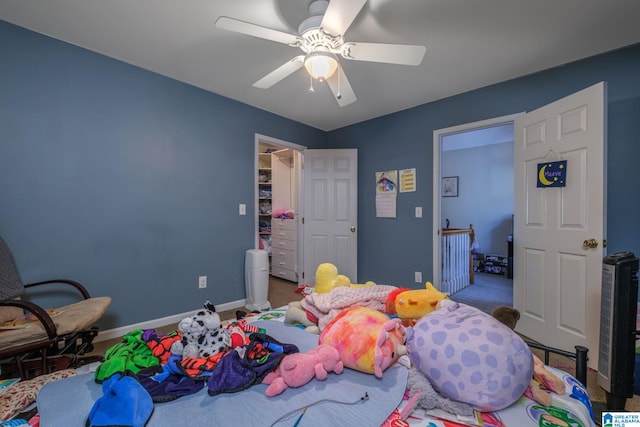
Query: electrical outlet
x=202 y=282
x=418 y=277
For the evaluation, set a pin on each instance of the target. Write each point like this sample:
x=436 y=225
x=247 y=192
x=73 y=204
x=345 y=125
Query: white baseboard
x=155 y=323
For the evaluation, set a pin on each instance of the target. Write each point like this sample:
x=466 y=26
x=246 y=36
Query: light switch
x=242 y=209
x=418 y=211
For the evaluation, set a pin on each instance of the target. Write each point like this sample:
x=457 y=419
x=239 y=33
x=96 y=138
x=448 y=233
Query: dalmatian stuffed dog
x=202 y=334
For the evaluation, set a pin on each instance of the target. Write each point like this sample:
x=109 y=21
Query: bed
x=351 y=398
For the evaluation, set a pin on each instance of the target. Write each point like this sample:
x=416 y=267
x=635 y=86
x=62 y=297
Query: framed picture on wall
x=450 y=186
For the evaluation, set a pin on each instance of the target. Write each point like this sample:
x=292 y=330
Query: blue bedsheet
x=66 y=403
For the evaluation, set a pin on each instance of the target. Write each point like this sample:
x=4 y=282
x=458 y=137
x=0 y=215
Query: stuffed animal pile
x=461 y=358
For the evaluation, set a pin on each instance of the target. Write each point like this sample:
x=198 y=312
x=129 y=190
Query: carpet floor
x=488 y=292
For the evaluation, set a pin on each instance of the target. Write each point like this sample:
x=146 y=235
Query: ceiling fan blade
x=254 y=30
x=341 y=88
x=403 y=54
x=280 y=73
x=340 y=14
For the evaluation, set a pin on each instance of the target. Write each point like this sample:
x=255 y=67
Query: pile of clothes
x=146 y=368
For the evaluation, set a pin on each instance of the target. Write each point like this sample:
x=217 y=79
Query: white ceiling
x=470 y=44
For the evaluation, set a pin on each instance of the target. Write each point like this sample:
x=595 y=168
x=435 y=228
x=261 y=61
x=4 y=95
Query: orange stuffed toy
x=410 y=305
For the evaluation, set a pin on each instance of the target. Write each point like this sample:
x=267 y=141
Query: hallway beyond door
x=488 y=292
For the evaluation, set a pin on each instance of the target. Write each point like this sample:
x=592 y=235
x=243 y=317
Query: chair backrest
x=10 y=283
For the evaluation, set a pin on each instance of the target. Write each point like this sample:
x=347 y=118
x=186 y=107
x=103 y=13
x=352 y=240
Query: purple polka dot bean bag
x=471 y=357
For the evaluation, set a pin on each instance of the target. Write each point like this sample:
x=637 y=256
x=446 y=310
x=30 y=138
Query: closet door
x=331 y=211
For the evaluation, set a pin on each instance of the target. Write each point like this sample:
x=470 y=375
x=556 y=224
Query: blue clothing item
x=248 y=365
x=125 y=403
x=168 y=382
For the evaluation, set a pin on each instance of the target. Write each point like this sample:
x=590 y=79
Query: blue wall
x=485 y=196
x=126 y=180
x=390 y=250
x=130 y=181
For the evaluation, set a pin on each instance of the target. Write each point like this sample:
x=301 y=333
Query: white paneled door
x=559 y=231
x=330 y=211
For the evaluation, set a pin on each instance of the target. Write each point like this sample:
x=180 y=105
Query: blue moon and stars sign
x=552 y=174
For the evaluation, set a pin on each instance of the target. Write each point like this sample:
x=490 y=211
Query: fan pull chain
x=311 y=84
x=339 y=94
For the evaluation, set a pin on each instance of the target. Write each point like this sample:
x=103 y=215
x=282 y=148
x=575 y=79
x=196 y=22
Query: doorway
x=278 y=183
x=291 y=191
x=478 y=158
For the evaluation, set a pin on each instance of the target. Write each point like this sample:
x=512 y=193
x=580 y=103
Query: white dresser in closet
x=284 y=242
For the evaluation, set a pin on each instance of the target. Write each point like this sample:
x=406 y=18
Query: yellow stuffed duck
x=327 y=278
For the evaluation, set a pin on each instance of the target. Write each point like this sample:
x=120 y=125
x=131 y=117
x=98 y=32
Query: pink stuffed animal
x=297 y=369
x=367 y=340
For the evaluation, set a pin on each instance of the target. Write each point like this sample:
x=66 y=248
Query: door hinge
x=302 y=220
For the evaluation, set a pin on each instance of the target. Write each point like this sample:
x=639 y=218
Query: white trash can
x=256 y=279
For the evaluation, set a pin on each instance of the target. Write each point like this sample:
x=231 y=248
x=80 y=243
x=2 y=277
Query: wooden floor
x=281 y=293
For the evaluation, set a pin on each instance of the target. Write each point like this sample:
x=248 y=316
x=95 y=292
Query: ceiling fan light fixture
x=320 y=65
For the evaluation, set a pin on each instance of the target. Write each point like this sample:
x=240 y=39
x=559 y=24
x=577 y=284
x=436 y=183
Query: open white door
x=330 y=211
x=557 y=279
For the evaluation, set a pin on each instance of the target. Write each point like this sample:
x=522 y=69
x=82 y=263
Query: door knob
x=590 y=244
x=353 y=229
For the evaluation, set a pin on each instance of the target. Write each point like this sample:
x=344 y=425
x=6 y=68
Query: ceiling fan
x=320 y=37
